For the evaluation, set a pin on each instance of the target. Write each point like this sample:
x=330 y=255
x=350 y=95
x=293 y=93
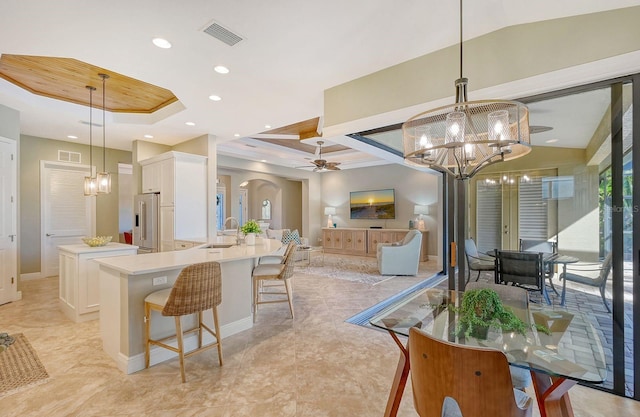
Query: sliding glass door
x=576 y=189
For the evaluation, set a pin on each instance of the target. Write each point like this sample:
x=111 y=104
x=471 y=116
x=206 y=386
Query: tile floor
x=316 y=365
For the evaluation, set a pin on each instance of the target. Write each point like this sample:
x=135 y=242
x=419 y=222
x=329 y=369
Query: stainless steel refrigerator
x=146 y=224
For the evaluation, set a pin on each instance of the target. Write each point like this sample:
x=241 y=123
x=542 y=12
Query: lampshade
x=462 y=138
x=329 y=211
x=420 y=209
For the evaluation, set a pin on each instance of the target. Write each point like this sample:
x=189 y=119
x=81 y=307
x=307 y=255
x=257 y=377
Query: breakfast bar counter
x=125 y=281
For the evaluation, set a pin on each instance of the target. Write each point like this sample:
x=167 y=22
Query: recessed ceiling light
x=148 y=136
x=267 y=126
x=72 y=137
x=220 y=69
x=263 y=160
x=189 y=123
x=161 y=43
x=236 y=135
x=551 y=141
x=215 y=98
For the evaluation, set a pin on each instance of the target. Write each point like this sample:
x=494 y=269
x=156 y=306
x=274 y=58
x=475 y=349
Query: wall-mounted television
x=374 y=204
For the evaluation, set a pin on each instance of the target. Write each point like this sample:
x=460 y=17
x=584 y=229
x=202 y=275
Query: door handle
x=50 y=234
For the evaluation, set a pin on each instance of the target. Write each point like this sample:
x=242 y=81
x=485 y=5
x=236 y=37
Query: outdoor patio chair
x=475 y=261
x=592 y=275
x=544 y=246
x=524 y=269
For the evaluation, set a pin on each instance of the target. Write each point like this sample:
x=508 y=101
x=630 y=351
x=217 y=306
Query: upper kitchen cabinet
x=181 y=180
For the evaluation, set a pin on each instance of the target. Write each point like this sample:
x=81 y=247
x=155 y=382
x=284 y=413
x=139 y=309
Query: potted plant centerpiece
x=481 y=309
x=250 y=229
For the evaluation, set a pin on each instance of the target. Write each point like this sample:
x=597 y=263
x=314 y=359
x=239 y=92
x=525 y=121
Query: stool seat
x=198 y=288
x=159 y=297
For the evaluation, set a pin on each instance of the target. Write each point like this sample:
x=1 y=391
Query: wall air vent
x=222 y=34
x=68 y=156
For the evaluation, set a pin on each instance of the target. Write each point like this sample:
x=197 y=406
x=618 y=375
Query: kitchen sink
x=217 y=245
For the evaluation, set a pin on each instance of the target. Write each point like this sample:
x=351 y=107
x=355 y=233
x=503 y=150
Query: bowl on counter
x=97 y=240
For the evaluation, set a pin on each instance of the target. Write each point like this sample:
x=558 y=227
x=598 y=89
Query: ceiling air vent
x=222 y=34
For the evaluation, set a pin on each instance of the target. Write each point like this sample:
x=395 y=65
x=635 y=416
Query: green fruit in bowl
x=97 y=240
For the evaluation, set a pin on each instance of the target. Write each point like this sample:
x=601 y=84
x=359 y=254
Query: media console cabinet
x=364 y=242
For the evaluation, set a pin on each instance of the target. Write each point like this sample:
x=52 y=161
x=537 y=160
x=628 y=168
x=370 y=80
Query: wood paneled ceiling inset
x=305 y=129
x=66 y=79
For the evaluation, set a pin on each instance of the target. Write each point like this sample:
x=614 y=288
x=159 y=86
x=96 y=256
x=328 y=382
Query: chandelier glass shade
x=462 y=138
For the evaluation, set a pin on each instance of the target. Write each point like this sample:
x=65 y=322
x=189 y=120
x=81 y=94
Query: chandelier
x=463 y=138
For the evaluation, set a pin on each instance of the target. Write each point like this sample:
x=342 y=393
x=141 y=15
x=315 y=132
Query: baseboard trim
x=31 y=276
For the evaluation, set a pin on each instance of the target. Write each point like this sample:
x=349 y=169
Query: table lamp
x=420 y=210
x=328 y=211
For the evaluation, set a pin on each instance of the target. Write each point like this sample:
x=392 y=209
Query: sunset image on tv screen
x=374 y=204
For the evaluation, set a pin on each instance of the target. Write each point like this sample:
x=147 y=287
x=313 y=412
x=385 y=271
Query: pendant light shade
x=462 y=138
x=103 y=178
x=90 y=185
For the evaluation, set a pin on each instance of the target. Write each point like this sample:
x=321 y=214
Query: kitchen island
x=125 y=281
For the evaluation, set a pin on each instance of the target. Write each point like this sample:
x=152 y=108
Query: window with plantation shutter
x=533 y=209
x=489 y=216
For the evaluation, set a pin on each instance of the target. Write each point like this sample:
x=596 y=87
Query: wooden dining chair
x=477 y=378
x=197 y=289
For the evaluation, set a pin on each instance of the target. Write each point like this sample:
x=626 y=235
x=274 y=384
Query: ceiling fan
x=322 y=164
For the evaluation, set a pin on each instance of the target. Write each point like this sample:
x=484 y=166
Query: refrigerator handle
x=143 y=221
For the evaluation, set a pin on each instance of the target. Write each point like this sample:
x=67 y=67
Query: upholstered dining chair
x=400 y=258
x=477 y=378
x=524 y=269
x=197 y=289
x=282 y=272
x=592 y=275
x=475 y=261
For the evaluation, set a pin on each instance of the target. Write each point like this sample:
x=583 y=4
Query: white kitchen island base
x=126 y=281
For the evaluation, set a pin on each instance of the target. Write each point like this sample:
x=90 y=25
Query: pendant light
x=104 y=178
x=463 y=138
x=90 y=186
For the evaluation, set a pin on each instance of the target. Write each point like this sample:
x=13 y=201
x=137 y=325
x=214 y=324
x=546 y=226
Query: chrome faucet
x=237 y=227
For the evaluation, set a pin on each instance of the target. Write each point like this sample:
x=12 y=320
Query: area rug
x=20 y=367
x=353 y=268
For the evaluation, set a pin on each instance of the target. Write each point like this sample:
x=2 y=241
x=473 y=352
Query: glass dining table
x=570 y=352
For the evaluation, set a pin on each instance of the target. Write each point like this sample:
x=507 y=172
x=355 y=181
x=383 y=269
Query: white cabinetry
x=182 y=183
x=79 y=287
x=151 y=178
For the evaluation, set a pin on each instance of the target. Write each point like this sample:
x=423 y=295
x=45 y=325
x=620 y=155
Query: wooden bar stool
x=198 y=288
x=281 y=272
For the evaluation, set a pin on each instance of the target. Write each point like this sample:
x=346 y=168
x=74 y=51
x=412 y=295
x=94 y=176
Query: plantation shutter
x=489 y=216
x=533 y=210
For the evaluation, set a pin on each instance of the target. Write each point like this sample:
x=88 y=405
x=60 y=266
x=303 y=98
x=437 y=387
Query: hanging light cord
x=91 y=129
x=460 y=38
x=104 y=149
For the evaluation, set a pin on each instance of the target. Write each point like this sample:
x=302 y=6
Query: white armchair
x=400 y=258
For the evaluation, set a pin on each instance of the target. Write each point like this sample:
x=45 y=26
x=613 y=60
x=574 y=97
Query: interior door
x=67 y=215
x=243 y=205
x=8 y=220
